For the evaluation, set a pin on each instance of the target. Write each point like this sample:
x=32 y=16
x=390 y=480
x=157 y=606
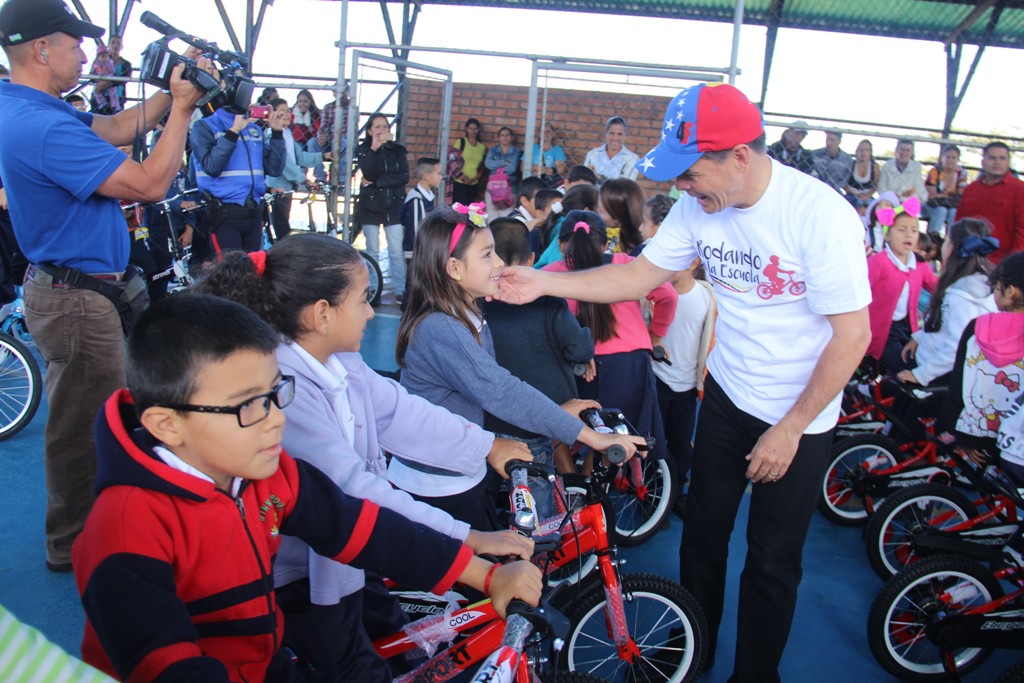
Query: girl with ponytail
x=623 y=342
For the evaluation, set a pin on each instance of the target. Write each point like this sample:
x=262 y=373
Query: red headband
x=456 y=236
x=259 y=260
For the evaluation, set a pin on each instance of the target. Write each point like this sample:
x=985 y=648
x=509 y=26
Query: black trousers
x=678 y=414
x=337 y=640
x=239 y=234
x=899 y=336
x=280 y=215
x=780 y=514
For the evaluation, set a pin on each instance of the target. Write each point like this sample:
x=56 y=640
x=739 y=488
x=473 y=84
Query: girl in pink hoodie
x=896 y=277
x=987 y=387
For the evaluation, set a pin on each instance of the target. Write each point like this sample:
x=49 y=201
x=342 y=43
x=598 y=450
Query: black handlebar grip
x=659 y=355
x=515 y=464
x=616 y=454
x=516 y=606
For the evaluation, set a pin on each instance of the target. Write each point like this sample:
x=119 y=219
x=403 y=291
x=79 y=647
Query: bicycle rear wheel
x=21 y=386
x=641 y=503
x=376 y=279
x=853 y=458
x=890 y=532
x=663 y=620
x=921 y=594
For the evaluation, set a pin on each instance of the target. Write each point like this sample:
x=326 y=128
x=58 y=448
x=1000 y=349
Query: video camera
x=234 y=89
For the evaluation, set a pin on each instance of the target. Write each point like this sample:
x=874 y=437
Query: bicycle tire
x=911 y=600
x=638 y=518
x=19 y=331
x=838 y=501
x=376 y=279
x=1015 y=674
x=568 y=677
x=904 y=513
x=21 y=386
x=673 y=650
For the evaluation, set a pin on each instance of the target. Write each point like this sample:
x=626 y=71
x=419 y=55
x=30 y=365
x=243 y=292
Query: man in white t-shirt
x=792 y=327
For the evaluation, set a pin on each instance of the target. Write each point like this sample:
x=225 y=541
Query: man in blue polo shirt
x=63 y=178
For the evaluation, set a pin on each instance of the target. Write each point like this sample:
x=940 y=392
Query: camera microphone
x=157 y=24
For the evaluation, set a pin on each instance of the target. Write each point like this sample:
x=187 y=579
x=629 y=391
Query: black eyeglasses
x=254 y=410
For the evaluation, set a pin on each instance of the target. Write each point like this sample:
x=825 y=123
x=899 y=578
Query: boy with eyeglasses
x=174 y=563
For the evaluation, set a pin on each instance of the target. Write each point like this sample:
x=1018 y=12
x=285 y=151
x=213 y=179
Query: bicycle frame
x=982 y=536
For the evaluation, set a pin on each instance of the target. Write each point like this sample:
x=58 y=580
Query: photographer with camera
x=64 y=176
x=231 y=161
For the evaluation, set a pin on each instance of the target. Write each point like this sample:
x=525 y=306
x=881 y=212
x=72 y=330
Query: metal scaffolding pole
x=737 y=24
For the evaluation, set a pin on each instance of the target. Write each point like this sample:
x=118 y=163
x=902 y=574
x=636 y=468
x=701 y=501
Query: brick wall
x=577 y=116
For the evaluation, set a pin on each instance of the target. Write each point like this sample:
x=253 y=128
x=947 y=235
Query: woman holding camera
x=385 y=167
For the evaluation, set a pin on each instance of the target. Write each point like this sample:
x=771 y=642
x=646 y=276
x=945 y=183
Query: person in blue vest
x=231 y=161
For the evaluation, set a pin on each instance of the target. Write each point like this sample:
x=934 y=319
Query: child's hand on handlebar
x=906 y=376
x=500 y=543
x=504 y=450
x=516 y=580
x=575 y=406
x=602 y=442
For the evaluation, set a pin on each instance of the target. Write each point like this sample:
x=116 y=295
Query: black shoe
x=58 y=567
x=679 y=507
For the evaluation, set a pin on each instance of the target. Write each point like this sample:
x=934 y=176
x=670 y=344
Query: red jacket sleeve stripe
x=360 y=533
x=458 y=566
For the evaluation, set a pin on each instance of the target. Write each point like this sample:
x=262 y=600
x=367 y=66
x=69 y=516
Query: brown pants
x=78 y=333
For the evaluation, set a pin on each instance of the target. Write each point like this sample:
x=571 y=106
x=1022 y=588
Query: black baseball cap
x=25 y=20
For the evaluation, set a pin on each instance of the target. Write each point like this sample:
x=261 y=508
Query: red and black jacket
x=175 y=574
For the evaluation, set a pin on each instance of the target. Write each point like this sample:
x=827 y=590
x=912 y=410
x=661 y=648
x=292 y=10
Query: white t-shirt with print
x=771 y=325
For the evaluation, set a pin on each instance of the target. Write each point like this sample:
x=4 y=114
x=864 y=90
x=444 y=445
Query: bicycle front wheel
x=663 y=621
x=376 y=279
x=21 y=386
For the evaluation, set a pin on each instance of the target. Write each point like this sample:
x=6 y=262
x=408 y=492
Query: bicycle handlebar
x=532 y=469
x=616 y=454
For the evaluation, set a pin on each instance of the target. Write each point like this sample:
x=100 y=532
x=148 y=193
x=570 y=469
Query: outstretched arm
x=604 y=285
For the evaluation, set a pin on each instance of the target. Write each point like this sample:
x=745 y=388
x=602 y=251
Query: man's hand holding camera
x=185 y=95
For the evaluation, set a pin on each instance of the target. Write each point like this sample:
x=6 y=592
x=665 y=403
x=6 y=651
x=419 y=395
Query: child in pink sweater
x=897 y=278
x=622 y=341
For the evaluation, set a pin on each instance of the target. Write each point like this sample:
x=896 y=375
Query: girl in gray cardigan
x=447 y=356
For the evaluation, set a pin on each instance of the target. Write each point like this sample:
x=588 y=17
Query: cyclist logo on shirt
x=779 y=279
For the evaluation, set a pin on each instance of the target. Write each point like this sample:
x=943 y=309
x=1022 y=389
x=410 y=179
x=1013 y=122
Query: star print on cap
x=709 y=117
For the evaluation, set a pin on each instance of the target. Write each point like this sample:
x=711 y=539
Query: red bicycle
x=865 y=469
x=933 y=519
x=621 y=627
x=943 y=616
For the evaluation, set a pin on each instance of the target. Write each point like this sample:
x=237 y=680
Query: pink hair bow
x=911 y=207
x=475 y=211
x=477 y=216
x=582 y=225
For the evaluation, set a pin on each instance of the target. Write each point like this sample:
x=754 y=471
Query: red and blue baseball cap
x=709 y=117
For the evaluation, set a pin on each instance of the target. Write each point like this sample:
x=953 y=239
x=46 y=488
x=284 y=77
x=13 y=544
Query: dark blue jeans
x=780 y=514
